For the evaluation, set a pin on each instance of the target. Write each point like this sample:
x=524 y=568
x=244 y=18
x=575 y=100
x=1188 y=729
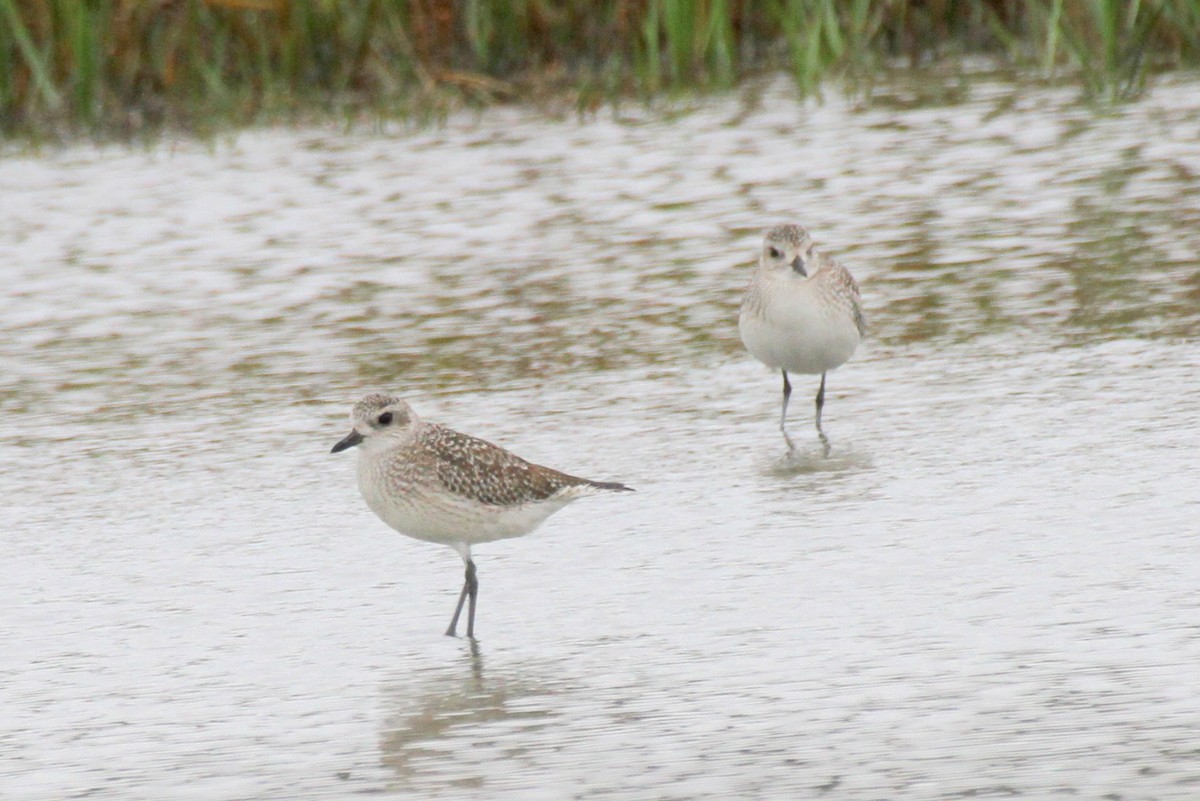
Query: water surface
x=988 y=590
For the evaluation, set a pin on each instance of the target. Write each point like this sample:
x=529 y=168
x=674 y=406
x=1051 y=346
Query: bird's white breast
x=796 y=326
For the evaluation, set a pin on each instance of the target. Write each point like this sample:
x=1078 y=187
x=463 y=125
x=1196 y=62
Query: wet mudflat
x=988 y=590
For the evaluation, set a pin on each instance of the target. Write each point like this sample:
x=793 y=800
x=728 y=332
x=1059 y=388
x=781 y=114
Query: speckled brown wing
x=483 y=472
x=845 y=289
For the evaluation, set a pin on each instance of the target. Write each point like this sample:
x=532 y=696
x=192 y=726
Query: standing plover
x=431 y=483
x=801 y=313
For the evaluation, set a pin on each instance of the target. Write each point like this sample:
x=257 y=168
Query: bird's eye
x=385 y=419
x=774 y=252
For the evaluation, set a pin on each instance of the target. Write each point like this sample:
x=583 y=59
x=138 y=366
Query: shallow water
x=988 y=590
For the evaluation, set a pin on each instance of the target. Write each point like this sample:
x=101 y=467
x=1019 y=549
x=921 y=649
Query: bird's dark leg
x=473 y=586
x=470 y=590
x=820 y=406
x=787 y=395
x=462 y=596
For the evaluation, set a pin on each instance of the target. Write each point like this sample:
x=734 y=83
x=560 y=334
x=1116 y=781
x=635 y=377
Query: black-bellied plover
x=431 y=483
x=801 y=313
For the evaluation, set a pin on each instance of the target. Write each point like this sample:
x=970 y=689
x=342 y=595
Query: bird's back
x=478 y=471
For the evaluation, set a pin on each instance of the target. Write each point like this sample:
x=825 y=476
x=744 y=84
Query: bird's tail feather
x=611 y=486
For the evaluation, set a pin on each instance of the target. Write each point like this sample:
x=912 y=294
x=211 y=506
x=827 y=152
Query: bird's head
x=787 y=248
x=379 y=421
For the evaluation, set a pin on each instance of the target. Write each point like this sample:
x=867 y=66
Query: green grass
x=124 y=67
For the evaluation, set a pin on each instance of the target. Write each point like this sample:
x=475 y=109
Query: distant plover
x=801 y=313
x=438 y=485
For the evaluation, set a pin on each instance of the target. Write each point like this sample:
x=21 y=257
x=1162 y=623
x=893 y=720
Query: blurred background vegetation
x=124 y=67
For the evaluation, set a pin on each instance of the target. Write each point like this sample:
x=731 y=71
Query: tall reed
x=121 y=66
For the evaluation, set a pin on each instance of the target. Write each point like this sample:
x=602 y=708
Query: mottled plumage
x=435 y=484
x=482 y=472
x=801 y=313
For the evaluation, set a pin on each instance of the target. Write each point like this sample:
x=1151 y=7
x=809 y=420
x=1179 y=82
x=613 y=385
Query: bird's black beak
x=798 y=266
x=348 y=441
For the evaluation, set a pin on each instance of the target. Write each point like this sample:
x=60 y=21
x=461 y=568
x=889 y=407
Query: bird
x=801 y=313
x=432 y=483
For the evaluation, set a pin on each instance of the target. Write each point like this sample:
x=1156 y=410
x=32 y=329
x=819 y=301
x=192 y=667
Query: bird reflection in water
x=451 y=724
